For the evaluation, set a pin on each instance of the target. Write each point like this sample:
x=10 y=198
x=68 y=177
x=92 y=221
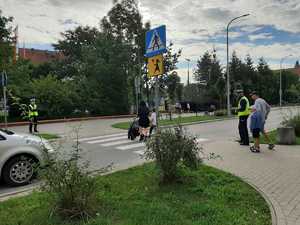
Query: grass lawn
x=164 y=122
x=49 y=136
x=133 y=197
x=272 y=135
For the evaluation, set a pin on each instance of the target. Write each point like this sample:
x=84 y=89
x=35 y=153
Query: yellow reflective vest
x=33 y=110
x=246 y=112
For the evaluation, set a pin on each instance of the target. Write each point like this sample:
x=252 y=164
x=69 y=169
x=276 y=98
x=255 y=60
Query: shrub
x=173 y=148
x=293 y=121
x=72 y=187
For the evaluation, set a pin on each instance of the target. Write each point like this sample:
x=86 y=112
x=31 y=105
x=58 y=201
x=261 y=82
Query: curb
x=20 y=193
x=274 y=215
x=199 y=122
x=192 y=123
x=68 y=120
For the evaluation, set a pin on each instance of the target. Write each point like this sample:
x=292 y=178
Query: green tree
x=249 y=75
x=124 y=23
x=54 y=96
x=104 y=83
x=71 y=45
x=73 y=41
x=19 y=76
x=5 y=40
x=173 y=87
x=209 y=72
x=267 y=84
x=203 y=69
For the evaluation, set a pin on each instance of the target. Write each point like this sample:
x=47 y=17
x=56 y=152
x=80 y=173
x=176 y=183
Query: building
x=37 y=56
x=297 y=71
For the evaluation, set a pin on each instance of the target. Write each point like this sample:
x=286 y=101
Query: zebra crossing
x=117 y=141
x=121 y=142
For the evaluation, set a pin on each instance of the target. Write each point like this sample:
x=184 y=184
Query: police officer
x=33 y=115
x=243 y=114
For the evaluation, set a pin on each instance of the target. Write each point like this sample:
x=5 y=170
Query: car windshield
x=7 y=131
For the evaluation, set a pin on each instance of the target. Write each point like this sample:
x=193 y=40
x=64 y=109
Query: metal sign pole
x=5 y=108
x=4 y=80
x=136 y=96
x=157 y=101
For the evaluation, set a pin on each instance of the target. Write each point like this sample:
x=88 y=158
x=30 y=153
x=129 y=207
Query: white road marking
x=199 y=140
x=107 y=140
x=116 y=143
x=140 y=152
x=100 y=137
x=127 y=147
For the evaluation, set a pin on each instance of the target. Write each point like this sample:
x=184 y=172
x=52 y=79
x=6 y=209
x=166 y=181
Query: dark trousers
x=33 y=123
x=243 y=129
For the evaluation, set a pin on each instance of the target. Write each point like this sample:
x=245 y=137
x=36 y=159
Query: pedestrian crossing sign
x=155 y=66
x=156 y=41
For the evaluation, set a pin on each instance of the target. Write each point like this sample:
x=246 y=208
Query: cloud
x=261 y=36
x=68 y=22
x=193 y=25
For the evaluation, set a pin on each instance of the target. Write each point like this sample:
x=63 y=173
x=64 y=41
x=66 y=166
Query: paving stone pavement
x=274 y=173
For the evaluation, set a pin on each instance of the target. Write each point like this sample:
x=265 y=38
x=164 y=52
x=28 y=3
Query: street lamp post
x=228 y=78
x=280 y=79
x=188 y=73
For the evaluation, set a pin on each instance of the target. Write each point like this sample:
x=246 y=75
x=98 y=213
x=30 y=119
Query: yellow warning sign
x=155 y=66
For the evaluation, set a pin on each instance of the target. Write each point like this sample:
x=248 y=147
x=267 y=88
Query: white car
x=19 y=154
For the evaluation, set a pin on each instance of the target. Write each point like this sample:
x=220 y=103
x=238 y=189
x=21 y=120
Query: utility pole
x=188 y=72
x=280 y=79
x=157 y=102
x=4 y=84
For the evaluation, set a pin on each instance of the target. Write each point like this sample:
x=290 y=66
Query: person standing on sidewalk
x=33 y=115
x=144 y=121
x=264 y=108
x=153 y=121
x=256 y=126
x=243 y=114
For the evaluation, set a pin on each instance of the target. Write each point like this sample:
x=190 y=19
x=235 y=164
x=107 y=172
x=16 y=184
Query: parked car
x=19 y=155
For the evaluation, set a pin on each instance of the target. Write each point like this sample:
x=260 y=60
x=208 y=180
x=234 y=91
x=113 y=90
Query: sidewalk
x=274 y=173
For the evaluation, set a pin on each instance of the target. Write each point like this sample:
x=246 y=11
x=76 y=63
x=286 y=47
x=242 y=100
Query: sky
x=272 y=30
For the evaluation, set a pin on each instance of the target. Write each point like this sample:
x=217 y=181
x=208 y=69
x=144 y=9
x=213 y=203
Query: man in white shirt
x=153 y=121
x=264 y=108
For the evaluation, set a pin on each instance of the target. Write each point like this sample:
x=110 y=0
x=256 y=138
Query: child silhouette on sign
x=156 y=65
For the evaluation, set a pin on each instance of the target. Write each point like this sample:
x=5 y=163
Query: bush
x=71 y=186
x=173 y=148
x=293 y=121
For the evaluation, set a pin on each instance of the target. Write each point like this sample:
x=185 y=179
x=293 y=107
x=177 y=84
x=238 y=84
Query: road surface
x=102 y=145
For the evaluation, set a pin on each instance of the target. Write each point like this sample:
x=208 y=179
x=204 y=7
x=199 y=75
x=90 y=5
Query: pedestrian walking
x=153 y=121
x=178 y=107
x=243 y=114
x=188 y=107
x=264 y=108
x=33 y=115
x=256 y=127
x=144 y=121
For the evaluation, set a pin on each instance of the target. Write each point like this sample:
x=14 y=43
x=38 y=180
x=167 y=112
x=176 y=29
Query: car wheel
x=19 y=170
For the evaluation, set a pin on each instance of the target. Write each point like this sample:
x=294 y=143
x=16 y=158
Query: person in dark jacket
x=144 y=121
